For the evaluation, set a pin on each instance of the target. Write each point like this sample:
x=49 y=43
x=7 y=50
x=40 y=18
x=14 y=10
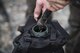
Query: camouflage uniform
x=74 y=22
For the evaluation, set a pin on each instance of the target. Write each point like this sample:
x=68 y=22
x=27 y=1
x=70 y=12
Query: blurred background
x=13 y=13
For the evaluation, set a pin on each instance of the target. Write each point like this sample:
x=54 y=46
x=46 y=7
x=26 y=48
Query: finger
x=59 y=6
x=53 y=4
x=61 y=2
x=51 y=0
x=37 y=10
x=55 y=7
x=51 y=9
x=45 y=5
x=43 y=9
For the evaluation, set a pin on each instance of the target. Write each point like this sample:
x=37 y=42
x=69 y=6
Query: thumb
x=37 y=9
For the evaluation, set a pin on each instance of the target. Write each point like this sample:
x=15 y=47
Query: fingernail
x=35 y=15
x=36 y=19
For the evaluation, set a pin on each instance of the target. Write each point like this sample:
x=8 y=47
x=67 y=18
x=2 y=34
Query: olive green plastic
x=40 y=32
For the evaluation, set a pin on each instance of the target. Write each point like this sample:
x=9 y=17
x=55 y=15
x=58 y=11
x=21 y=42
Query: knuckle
x=61 y=7
x=54 y=10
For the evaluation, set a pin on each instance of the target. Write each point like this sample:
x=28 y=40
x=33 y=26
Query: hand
x=52 y=5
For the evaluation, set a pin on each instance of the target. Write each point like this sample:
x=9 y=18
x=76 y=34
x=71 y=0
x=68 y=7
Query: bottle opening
x=40 y=28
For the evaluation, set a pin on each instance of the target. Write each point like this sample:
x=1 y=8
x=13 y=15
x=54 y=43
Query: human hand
x=52 y=5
